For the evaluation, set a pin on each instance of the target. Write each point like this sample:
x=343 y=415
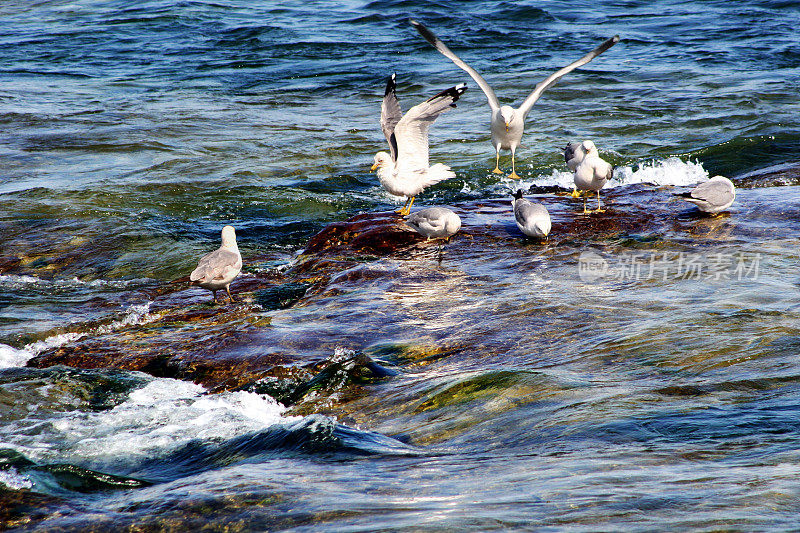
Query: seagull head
x=382 y=159
x=507 y=112
x=589 y=147
x=228 y=237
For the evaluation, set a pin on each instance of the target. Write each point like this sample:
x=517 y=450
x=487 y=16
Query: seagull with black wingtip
x=532 y=218
x=507 y=124
x=407 y=171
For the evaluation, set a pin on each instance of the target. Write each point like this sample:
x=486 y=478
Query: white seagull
x=592 y=173
x=216 y=270
x=405 y=172
x=435 y=222
x=713 y=196
x=507 y=124
x=532 y=218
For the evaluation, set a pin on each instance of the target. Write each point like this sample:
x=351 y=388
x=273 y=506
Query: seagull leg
x=599 y=209
x=214 y=293
x=407 y=209
x=585 y=212
x=513 y=175
x=402 y=208
x=229 y=294
x=497 y=161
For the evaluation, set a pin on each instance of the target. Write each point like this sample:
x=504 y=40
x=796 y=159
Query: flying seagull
x=592 y=173
x=713 y=196
x=405 y=172
x=507 y=124
x=219 y=268
x=532 y=218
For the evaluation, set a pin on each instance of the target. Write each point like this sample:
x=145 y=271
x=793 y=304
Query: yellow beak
x=374 y=166
x=506 y=127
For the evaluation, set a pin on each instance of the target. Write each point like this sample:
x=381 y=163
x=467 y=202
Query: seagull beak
x=506 y=127
x=374 y=166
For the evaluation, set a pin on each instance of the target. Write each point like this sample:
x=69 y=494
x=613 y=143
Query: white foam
x=14 y=480
x=672 y=171
x=13 y=357
x=13 y=281
x=155 y=419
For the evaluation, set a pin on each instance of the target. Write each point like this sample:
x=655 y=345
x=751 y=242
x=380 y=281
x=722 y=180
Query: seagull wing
x=526 y=106
x=214 y=265
x=445 y=51
x=390 y=114
x=716 y=193
x=427 y=220
x=412 y=130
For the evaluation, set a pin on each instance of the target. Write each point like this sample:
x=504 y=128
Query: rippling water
x=515 y=394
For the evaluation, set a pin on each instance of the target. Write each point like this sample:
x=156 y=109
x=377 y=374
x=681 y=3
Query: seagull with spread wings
x=406 y=171
x=507 y=123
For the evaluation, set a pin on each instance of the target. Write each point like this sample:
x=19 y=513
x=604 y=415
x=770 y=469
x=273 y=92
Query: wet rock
x=23 y=508
x=279 y=336
x=281 y=296
x=332 y=376
x=379 y=234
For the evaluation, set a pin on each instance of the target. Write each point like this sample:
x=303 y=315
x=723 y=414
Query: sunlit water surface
x=522 y=394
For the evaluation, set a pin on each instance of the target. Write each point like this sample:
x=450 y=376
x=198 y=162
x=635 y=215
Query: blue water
x=518 y=396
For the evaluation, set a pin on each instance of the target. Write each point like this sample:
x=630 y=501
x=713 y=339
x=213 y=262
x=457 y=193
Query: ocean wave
x=166 y=429
x=14 y=480
x=14 y=357
x=14 y=281
x=671 y=171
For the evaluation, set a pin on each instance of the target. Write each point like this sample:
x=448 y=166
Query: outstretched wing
x=412 y=130
x=390 y=114
x=526 y=106
x=439 y=45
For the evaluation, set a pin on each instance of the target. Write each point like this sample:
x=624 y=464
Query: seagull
x=713 y=196
x=532 y=218
x=507 y=124
x=216 y=270
x=591 y=173
x=435 y=222
x=405 y=172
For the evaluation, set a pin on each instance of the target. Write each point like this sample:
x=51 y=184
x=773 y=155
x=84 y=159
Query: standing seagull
x=219 y=268
x=713 y=196
x=507 y=123
x=533 y=219
x=592 y=173
x=406 y=172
